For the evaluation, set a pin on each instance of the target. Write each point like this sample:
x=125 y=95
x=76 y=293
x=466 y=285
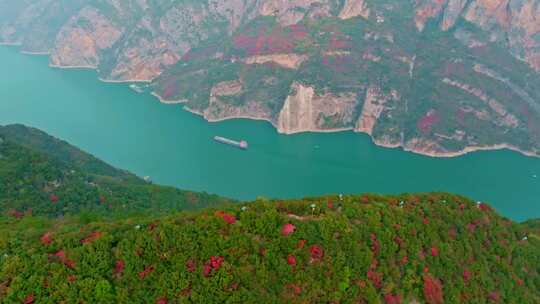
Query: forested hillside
x=425 y=248
x=42 y=175
x=76 y=230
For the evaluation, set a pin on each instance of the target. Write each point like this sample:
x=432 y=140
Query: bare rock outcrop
x=514 y=22
x=371 y=111
x=305 y=111
x=354 y=8
x=288 y=61
x=79 y=41
x=289 y=12
x=220 y=109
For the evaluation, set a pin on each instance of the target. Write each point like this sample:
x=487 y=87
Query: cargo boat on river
x=238 y=144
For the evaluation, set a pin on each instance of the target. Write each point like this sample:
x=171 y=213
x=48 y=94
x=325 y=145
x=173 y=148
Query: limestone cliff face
x=289 y=61
x=290 y=12
x=374 y=104
x=314 y=65
x=305 y=111
x=514 y=22
x=354 y=8
x=79 y=42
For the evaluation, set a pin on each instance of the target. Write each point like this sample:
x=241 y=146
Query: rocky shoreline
x=448 y=154
x=445 y=154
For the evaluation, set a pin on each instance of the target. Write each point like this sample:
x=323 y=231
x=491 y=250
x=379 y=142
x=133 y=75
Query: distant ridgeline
x=42 y=175
x=413 y=248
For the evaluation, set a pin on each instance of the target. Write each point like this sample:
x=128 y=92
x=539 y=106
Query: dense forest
x=432 y=248
x=42 y=175
x=75 y=230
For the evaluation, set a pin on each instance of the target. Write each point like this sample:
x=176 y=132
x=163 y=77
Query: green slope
x=364 y=249
x=42 y=175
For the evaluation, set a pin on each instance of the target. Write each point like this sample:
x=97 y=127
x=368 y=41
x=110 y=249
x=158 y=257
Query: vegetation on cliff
x=438 y=77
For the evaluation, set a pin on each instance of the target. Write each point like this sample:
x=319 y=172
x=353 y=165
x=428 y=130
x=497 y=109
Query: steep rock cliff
x=79 y=42
x=438 y=77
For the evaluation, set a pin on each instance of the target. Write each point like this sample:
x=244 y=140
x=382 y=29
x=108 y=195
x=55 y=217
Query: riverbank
x=175 y=147
x=473 y=149
x=446 y=154
x=420 y=151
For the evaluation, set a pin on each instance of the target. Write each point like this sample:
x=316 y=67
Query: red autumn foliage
x=152 y=226
x=147 y=270
x=374 y=276
x=91 y=237
x=161 y=301
x=119 y=267
x=53 y=198
x=29 y=299
x=404 y=260
x=484 y=207
x=494 y=296
x=317 y=253
x=392 y=299
x=16 y=214
x=433 y=292
x=207 y=269
x=399 y=241
x=297 y=290
x=169 y=90
x=229 y=218
x=46 y=239
x=270 y=41
x=291 y=260
x=434 y=251
x=72 y=278
x=191 y=266
x=375 y=244
x=288 y=229
x=426 y=123
x=216 y=262
x=452 y=233
x=520 y=282
x=364 y=199
x=330 y=204
x=301 y=244
x=61 y=255
x=339 y=41
x=466 y=275
x=471 y=227
x=425 y=221
x=212 y=265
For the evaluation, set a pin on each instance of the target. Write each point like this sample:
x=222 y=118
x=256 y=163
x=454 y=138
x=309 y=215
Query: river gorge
x=174 y=147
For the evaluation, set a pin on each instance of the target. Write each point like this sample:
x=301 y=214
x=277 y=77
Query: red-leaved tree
x=433 y=292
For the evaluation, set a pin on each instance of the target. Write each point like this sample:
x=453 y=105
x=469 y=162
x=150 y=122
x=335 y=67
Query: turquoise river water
x=135 y=132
